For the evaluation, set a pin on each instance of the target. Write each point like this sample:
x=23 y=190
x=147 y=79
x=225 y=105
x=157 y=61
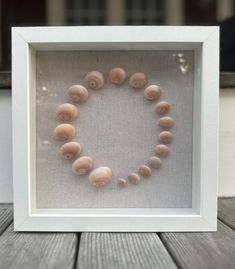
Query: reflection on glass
x=181 y=61
x=184 y=69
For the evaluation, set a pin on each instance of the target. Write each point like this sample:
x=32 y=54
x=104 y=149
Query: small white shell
x=162 y=107
x=82 y=165
x=154 y=162
x=134 y=178
x=162 y=150
x=122 y=182
x=94 y=80
x=144 y=171
x=70 y=150
x=117 y=75
x=100 y=176
x=64 y=132
x=152 y=92
x=138 y=80
x=166 y=122
x=78 y=93
x=166 y=137
x=66 y=112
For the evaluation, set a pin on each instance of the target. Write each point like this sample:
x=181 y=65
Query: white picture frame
x=203 y=214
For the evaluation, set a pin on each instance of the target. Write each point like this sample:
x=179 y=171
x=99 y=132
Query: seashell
x=70 y=150
x=64 y=132
x=144 y=171
x=100 y=176
x=78 y=93
x=162 y=150
x=162 y=107
x=166 y=122
x=166 y=137
x=82 y=165
x=66 y=112
x=152 y=92
x=117 y=75
x=122 y=182
x=138 y=80
x=154 y=162
x=94 y=80
x=134 y=178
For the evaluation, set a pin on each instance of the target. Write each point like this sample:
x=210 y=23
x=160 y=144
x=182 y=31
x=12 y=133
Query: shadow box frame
x=204 y=41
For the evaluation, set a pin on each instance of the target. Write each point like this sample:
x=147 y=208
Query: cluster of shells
x=66 y=132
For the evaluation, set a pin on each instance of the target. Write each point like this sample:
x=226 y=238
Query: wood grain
x=122 y=250
x=202 y=250
x=6 y=216
x=226 y=211
x=37 y=250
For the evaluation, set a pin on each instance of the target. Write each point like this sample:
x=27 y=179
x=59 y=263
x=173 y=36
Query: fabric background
x=117 y=127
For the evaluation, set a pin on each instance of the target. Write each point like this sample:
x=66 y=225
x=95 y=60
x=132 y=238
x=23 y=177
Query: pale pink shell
x=166 y=137
x=82 y=165
x=134 y=178
x=144 y=171
x=100 y=176
x=162 y=150
x=78 y=93
x=138 y=80
x=94 y=80
x=162 y=108
x=166 y=122
x=152 y=92
x=66 y=112
x=122 y=182
x=64 y=132
x=70 y=150
x=154 y=162
x=117 y=75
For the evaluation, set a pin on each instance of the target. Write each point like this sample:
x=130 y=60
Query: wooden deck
x=119 y=250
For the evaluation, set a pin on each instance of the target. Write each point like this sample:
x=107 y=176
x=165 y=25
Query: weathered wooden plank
x=6 y=216
x=122 y=250
x=202 y=250
x=37 y=250
x=226 y=211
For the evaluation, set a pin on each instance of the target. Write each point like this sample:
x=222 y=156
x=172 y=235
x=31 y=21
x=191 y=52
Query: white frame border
x=203 y=214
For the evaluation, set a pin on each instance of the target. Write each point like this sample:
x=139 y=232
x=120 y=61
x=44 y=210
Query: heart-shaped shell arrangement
x=66 y=132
